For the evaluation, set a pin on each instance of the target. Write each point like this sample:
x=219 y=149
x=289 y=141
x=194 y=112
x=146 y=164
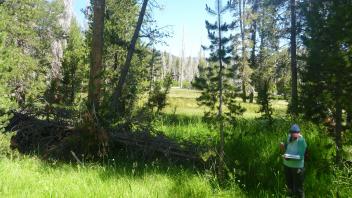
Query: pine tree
x=74 y=64
x=217 y=91
x=326 y=79
x=27 y=29
x=268 y=57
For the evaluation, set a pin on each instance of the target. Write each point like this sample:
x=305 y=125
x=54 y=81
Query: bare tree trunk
x=254 y=35
x=242 y=5
x=126 y=66
x=294 y=93
x=96 y=56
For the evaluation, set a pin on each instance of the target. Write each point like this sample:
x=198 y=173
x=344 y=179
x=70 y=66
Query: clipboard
x=289 y=156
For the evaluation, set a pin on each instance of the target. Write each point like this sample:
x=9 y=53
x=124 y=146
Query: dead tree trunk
x=127 y=65
x=96 y=56
x=254 y=35
x=242 y=5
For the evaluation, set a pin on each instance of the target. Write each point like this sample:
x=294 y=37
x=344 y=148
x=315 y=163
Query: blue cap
x=295 y=128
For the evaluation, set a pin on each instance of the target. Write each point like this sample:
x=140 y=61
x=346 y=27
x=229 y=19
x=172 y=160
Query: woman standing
x=294 y=149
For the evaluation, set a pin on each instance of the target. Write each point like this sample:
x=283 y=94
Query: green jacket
x=295 y=147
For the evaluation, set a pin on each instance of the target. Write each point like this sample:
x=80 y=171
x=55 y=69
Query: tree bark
x=254 y=35
x=241 y=10
x=294 y=93
x=127 y=65
x=96 y=56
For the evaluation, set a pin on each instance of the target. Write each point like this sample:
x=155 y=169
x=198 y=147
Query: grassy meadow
x=254 y=167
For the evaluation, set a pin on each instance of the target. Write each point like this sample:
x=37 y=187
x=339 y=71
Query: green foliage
x=252 y=149
x=282 y=75
x=215 y=80
x=74 y=65
x=326 y=77
x=254 y=159
x=264 y=99
x=157 y=96
x=260 y=162
x=27 y=30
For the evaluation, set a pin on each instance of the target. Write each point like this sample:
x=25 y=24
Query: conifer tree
x=217 y=91
x=326 y=79
x=74 y=64
x=27 y=29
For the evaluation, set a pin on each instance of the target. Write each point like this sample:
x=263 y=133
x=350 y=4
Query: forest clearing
x=164 y=98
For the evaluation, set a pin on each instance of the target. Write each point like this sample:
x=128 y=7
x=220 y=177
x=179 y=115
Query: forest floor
x=253 y=162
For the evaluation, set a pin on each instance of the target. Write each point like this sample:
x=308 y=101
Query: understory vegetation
x=253 y=163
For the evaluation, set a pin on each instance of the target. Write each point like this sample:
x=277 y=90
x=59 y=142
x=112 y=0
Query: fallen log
x=159 y=144
x=55 y=140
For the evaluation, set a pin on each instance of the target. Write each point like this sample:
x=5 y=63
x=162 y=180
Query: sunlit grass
x=183 y=102
x=251 y=154
x=31 y=177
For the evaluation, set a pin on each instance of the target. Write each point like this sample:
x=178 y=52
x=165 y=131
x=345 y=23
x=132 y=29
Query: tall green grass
x=28 y=176
x=251 y=148
x=253 y=157
x=254 y=165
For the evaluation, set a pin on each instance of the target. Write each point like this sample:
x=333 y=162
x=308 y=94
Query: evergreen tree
x=264 y=97
x=74 y=65
x=27 y=29
x=217 y=91
x=268 y=57
x=326 y=79
x=117 y=95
